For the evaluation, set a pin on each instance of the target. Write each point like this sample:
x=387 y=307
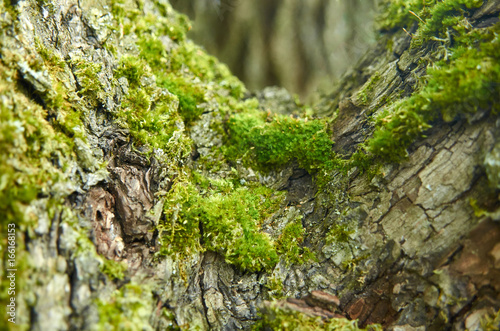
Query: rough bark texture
x=418 y=253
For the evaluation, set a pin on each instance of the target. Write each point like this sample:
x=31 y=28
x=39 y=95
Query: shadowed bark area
x=137 y=208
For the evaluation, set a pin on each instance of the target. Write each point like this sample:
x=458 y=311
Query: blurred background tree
x=302 y=45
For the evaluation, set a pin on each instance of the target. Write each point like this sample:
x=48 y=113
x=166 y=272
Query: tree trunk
x=262 y=40
x=102 y=147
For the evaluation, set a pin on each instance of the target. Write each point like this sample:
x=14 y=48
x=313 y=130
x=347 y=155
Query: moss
x=26 y=140
x=176 y=27
x=228 y=220
x=367 y=88
x=395 y=14
x=491 y=321
x=130 y=15
x=223 y=218
x=187 y=87
x=53 y=61
x=57 y=99
x=289 y=244
x=455 y=87
x=275 y=140
x=205 y=67
x=128 y=308
x=445 y=15
x=87 y=77
x=179 y=23
x=145 y=109
x=339 y=233
x=275 y=286
x=436 y=15
x=114 y=269
x=190 y=96
x=154 y=53
x=39 y=140
x=178 y=233
x=35 y=156
x=133 y=69
x=278 y=318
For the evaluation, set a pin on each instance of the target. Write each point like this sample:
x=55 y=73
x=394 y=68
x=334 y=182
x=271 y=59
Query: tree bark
x=423 y=246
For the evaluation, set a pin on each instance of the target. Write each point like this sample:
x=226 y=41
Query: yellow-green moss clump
x=225 y=217
x=114 y=269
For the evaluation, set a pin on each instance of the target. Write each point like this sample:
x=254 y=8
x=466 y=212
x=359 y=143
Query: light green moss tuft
x=290 y=244
x=114 y=269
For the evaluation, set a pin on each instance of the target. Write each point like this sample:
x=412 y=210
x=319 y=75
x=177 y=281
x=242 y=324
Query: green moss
x=290 y=244
x=190 y=96
x=455 y=87
x=154 y=53
x=130 y=14
x=90 y=86
x=57 y=99
x=339 y=233
x=205 y=67
x=275 y=140
x=27 y=142
x=441 y=17
x=365 y=91
x=53 y=61
x=278 y=318
x=114 y=269
x=153 y=122
x=178 y=29
x=146 y=110
x=179 y=24
x=133 y=69
x=178 y=233
x=275 y=286
x=187 y=86
x=224 y=219
x=128 y=309
x=34 y=158
x=395 y=14
x=227 y=221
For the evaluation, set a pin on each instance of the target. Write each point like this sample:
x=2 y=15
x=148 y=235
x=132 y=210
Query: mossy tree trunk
x=150 y=191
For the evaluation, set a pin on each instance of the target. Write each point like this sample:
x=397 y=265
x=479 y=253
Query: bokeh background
x=302 y=45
